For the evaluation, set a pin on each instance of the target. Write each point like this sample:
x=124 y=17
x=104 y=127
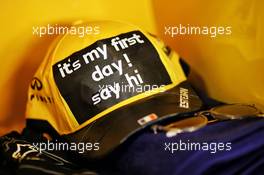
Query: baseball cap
x=103 y=88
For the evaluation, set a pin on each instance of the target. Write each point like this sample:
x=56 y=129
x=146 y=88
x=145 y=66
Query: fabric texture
x=146 y=153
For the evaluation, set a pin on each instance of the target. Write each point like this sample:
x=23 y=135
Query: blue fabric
x=146 y=154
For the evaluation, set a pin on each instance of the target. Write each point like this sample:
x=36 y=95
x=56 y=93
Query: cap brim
x=116 y=127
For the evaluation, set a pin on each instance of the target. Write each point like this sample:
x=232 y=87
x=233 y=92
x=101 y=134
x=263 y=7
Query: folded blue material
x=240 y=150
x=227 y=147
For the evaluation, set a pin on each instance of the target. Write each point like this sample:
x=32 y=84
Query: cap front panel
x=108 y=72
